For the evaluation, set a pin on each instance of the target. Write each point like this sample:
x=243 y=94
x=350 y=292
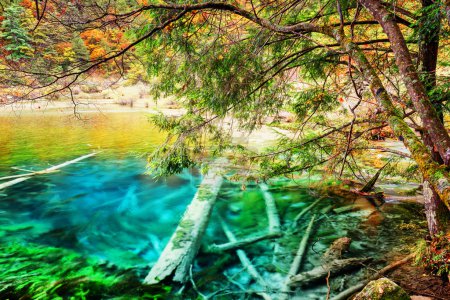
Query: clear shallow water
x=98 y=217
x=104 y=206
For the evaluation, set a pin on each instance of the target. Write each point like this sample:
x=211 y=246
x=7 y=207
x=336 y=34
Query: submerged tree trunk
x=179 y=254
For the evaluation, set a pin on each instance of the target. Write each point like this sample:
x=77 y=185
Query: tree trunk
x=179 y=254
x=437 y=215
x=435 y=173
x=416 y=90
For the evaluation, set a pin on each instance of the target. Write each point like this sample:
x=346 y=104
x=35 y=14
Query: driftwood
x=245 y=261
x=271 y=209
x=273 y=218
x=301 y=249
x=354 y=289
x=242 y=243
x=295 y=266
x=303 y=212
x=23 y=177
x=178 y=255
x=321 y=272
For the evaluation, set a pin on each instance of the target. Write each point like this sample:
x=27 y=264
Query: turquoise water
x=93 y=229
x=104 y=206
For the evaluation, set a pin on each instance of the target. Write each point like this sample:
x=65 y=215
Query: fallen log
x=303 y=212
x=245 y=261
x=273 y=218
x=336 y=249
x=23 y=177
x=321 y=272
x=179 y=253
x=271 y=209
x=295 y=266
x=242 y=243
x=344 y=209
x=356 y=288
x=301 y=249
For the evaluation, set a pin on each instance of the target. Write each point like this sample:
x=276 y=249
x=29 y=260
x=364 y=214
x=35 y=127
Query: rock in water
x=382 y=289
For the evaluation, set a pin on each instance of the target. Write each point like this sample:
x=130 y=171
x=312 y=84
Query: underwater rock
x=382 y=289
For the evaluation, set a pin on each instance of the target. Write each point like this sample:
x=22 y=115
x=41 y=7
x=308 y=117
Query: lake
x=105 y=220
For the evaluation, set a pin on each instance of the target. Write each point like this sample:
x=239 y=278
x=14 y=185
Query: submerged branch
x=242 y=243
x=246 y=262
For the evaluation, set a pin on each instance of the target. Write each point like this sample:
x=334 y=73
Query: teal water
x=104 y=206
x=93 y=229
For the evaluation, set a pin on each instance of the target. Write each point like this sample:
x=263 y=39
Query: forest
x=242 y=149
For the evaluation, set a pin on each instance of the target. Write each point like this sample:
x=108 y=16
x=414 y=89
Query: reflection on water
x=34 y=139
x=104 y=206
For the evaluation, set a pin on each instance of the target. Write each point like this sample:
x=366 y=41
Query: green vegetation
x=39 y=272
x=15 y=34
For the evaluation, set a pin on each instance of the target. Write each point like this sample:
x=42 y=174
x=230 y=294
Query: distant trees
x=15 y=34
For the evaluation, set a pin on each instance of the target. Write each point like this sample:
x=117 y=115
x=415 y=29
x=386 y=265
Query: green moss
x=182 y=234
x=204 y=193
x=382 y=289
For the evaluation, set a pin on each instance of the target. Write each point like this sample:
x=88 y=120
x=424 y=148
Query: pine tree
x=17 y=41
x=80 y=49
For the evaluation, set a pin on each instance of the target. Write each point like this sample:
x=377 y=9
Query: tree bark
x=437 y=215
x=416 y=90
x=435 y=173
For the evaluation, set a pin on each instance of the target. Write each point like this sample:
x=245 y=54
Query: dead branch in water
x=320 y=272
x=243 y=242
x=295 y=266
x=303 y=212
x=247 y=263
x=271 y=209
x=23 y=177
x=273 y=218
